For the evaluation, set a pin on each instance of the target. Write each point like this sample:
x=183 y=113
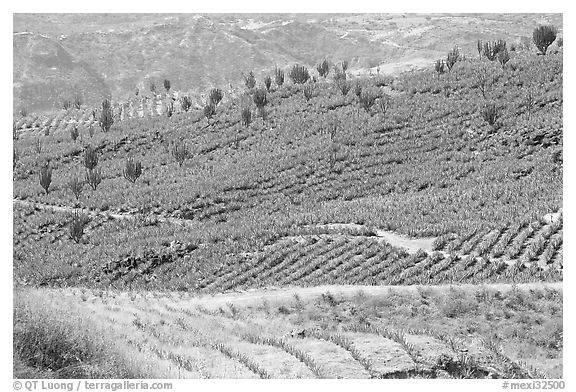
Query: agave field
x=432 y=178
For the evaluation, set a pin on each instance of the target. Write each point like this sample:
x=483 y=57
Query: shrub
x=106 y=116
x=93 y=177
x=76 y=186
x=367 y=98
x=503 y=57
x=180 y=152
x=246 y=116
x=299 y=74
x=343 y=86
x=439 y=66
x=491 y=49
x=133 y=170
x=323 y=68
x=185 y=103
x=215 y=96
x=209 y=110
x=77 y=102
x=90 y=157
x=484 y=80
x=308 y=91
x=453 y=58
x=45 y=176
x=260 y=98
x=384 y=104
x=357 y=88
x=268 y=82
x=77 y=225
x=169 y=109
x=15 y=157
x=167 y=85
x=249 y=80
x=490 y=113
x=74 y=133
x=543 y=36
x=278 y=77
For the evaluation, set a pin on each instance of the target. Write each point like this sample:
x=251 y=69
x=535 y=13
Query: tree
x=543 y=37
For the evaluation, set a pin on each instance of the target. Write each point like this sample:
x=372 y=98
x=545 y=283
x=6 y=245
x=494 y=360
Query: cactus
x=90 y=157
x=299 y=74
x=77 y=225
x=133 y=170
x=323 y=68
x=76 y=186
x=215 y=96
x=93 y=177
x=278 y=77
x=249 y=80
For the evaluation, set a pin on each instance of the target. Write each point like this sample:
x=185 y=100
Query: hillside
x=109 y=56
x=262 y=195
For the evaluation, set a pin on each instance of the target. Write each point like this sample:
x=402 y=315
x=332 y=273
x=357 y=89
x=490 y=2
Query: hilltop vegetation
x=414 y=154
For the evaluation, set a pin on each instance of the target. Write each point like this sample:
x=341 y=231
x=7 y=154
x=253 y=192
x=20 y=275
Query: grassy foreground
x=446 y=332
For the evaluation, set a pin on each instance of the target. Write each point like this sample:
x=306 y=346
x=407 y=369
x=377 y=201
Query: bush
x=278 y=77
x=15 y=157
x=77 y=225
x=268 y=82
x=133 y=170
x=543 y=36
x=357 y=88
x=180 y=152
x=260 y=98
x=45 y=177
x=249 y=80
x=491 y=49
x=490 y=113
x=90 y=158
x=503 y=57
x=209 y=110
x=215 y=96
x=66 y=104
x=169 y=109
x=77 y=102
x=367 y=98
x=185 y=103
x=323 y=68
x=76 y=186
x=246 y=116
x=453 y=58
x=299 y=74
x=308 y=91
x=93 y=177
x=439 y=66
x=106 y=116
x=74 y=133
